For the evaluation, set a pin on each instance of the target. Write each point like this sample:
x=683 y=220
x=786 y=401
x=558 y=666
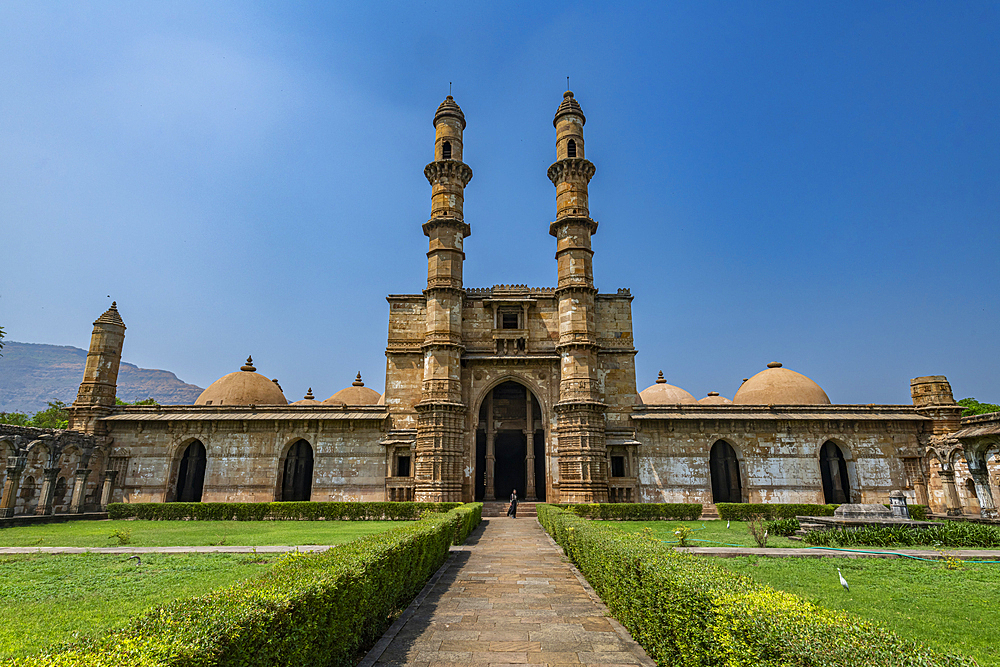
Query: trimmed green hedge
x=290 y=511
x=743 y=511
x=684 y=610
x=637 y=511
x=309 y=609
x=951 y=534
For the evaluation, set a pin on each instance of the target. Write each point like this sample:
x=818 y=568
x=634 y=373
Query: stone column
x=48 y=491
x=951 y=501
x=79 y=491
x=491 y=457
x=107 y=488
x=15 y=466
x=529 y=437
x=981 y=478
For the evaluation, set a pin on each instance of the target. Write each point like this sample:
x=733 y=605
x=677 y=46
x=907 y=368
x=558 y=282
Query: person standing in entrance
x=512 y=510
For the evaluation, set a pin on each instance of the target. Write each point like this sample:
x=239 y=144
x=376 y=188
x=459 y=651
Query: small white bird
x=727 y=524
x=843 y=582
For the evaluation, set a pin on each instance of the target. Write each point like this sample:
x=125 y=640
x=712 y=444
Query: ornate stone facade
x=501 y=388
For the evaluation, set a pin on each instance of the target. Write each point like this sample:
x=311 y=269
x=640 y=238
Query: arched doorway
x=833 y=468
x=725 y=471
x=191 y=474
x=510 y=445
x=296 y=480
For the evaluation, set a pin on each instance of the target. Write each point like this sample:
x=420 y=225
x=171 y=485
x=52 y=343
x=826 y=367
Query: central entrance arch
x=510 y=445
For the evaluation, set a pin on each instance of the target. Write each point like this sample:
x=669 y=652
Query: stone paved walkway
x=507 y=597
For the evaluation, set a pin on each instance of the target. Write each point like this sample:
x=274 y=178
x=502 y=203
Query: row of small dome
x=773 y=386
x=247 y=387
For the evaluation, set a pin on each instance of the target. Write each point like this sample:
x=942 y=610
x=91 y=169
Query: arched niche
x=724 y=467
x=833 y=470
x=191 y=473
x=297 y=470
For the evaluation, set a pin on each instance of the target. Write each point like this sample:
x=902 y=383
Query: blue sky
x=816 y=183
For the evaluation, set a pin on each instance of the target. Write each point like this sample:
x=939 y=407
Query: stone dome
x=356 y=394
x=244 y=387
x=713 y=398
x=662 y=393
x=308 y=399
x=780 y=386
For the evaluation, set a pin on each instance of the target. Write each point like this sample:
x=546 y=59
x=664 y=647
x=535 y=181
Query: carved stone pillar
x=79 y=491
x=15 y=466
x=529 y=467
x=987 y=507
x=491 y=455
x=48 y=491
x=107 y=488
x=529 y=459
x=951 y=501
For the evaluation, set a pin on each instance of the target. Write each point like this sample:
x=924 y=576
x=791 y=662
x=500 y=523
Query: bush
x=952 y=534
x=289 y=511
x=783 y=527
x=743 y=511
x=637 y=511
x=685 y=610
x=309 y=609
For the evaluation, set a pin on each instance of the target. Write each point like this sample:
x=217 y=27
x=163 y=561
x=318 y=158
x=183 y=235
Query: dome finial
x=249 y=365
x=449 y=108
x=774 y=364
x=660 y=379
x=357 y=381
x=114 y=305
x=309 y=395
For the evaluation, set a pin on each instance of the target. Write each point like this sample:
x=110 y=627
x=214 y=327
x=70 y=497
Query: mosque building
x=500 y=388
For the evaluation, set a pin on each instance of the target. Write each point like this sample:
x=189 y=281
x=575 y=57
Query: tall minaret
x=440 y=412
x=580 y=410
x=97 y=392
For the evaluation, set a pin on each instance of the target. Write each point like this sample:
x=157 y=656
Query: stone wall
x=245 y=459
x=778 y=459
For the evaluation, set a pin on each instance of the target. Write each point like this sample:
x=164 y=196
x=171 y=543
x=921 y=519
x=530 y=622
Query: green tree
x=145 y=401
x=2 y=334
x=974 y=407
x=15 y=418
x=54 y=416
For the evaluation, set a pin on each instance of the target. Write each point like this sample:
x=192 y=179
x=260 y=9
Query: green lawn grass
x=704 y=534
x=191 y=533
x=48 y=598
x=951 y=610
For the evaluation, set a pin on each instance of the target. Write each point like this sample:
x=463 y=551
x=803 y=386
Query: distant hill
x=31 y=374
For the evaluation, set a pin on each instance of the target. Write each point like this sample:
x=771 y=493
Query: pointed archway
x=191 y=473
x=725 y=471
x=296 y=480
x=510 y=444
x=833 y=468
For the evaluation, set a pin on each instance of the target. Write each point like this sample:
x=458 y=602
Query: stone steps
x=492 y=508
